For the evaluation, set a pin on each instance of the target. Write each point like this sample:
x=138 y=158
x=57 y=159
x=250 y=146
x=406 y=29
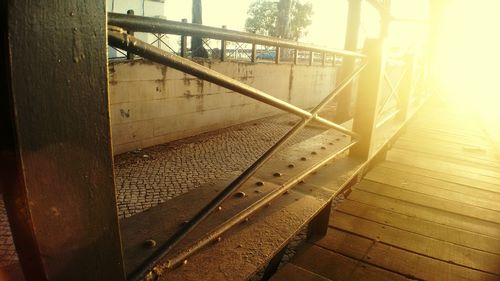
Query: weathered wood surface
x=430 y=211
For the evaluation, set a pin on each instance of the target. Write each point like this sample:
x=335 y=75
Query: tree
x=271 y=18
x=197 y=48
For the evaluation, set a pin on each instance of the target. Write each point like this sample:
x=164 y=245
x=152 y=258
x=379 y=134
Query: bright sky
x=469 y=53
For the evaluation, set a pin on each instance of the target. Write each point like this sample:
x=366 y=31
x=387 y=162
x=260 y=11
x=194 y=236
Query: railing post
x=223 y=48
x=184 y=42
x=278 y=55
x=295 y=56
x=368 y=98
x=254 y=53
x=406 y=90
x=344 y=106
x=130 y=56
x=323 y=59
x=56 y=170
x=311 y=57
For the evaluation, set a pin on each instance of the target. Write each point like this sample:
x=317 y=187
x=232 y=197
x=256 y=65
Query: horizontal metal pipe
x=210 y=237
x=126 y=42
x=156 y=25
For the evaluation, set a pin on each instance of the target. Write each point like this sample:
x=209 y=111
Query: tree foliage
x=263 y=18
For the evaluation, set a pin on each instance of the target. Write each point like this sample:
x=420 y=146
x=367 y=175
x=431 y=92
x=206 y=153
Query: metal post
x=223 y=48
x=130 y=56
x=254 y=53
x=344 y=106
x=184 y=42
x=368 y=98
x=311 y=57
x=406 y=90
x=58 y=186
x=318 y=227
x=295 y=56
x=323 y=59
x=278 y=55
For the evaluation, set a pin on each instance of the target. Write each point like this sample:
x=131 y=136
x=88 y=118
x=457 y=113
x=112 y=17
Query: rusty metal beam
x=58 y=189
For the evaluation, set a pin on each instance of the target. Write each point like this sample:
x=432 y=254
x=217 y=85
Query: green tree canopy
x=263 y=18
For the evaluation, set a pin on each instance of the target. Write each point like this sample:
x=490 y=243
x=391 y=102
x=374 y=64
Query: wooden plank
x=416 y=243
x=426 y=213
x=430 y=201
x=422 y=161
x=454 y=158
x=471 y=154
x=397 y=260
x=59 y=193
x=438 y=192
x=448 y=177
x=395 y=177
x=337 y=267
x=291 y=272
x=420 y=226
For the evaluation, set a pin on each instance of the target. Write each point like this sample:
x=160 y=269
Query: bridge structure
x=395 y=186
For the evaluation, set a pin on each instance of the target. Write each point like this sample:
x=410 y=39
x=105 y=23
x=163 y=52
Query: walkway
x=430 y=211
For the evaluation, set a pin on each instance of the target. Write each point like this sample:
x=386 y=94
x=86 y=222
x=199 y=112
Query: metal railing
x=119 y=36
x=233 y=44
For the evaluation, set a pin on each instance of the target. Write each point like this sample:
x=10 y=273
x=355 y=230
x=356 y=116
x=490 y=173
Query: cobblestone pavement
x=150 y=176
x=7 y=250
x=145 y=178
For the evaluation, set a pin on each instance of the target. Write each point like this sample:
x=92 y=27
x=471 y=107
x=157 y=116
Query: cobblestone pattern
x=7 y=251
x=151 y=176
x=148 y=177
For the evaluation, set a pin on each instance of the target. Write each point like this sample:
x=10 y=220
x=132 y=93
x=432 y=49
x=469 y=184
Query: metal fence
x=240 y=45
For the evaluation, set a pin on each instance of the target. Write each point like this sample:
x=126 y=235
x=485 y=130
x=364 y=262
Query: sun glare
x=469 y=54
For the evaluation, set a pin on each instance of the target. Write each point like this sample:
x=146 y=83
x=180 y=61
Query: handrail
x=121 y=39
x=155 y=25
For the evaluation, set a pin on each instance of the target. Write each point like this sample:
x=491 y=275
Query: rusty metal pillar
x=344 y=106
x=368 y=97
x=56 y=148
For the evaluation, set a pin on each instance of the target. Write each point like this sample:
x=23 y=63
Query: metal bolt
x=291 y=165
x=259 y=183
x=330 y=143
x=258 y=191
x=337 y=139
x=302 y=182
x=184 y=262
x=277 y=174
x=268 y=204
x=314 y=153
x=286 y=192
x=247 y=219
x=218 y=239
x=150 y=243
x=303 y=158
x=240 y=194
x=219 y=208
x=323 y=147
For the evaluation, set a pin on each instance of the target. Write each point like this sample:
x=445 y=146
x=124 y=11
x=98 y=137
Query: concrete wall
x=152 y=104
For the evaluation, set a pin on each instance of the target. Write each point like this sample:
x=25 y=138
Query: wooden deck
x=430 y=211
